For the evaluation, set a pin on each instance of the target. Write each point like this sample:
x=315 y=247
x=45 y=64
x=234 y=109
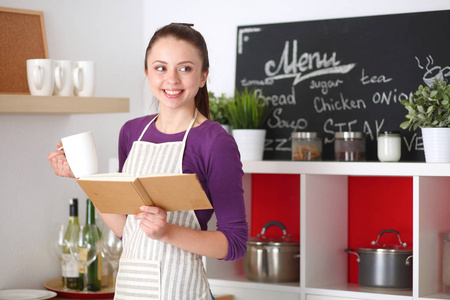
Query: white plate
x=26 y=294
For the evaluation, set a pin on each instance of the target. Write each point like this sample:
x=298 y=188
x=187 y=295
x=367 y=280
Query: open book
x=119 y=193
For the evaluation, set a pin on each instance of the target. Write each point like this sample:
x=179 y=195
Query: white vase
x=436 y=144
x=250 y=143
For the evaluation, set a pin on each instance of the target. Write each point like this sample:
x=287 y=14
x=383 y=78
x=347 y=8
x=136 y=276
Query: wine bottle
x=105 y=264
x=70 y=271
x=94 y=276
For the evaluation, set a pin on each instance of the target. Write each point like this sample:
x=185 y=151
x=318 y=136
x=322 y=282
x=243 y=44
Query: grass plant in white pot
x=247 y=114
x=429 y=109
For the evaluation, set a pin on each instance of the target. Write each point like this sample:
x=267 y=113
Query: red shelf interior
x=276 y=197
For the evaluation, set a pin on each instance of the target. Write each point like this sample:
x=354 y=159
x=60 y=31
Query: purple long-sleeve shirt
x=212 y=154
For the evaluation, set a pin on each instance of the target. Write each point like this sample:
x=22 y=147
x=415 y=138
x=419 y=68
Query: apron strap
x=190 y=126
x=185 y=135
x=180 y=160
x=146 y=127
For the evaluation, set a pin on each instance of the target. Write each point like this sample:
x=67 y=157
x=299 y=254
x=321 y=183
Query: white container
x=63 y=78
x=436 y=144
x=250 y=143
x=389 y=146
x=84 y=78
x=40 y=76
x=81 y=153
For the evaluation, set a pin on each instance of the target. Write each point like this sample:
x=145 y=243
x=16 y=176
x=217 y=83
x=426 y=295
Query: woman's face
x=174 y=72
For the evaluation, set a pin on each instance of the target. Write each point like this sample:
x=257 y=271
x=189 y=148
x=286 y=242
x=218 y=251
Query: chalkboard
x=343 y=75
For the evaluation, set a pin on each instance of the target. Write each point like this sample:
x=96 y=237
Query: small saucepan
x=272 y=259
x=385 y=266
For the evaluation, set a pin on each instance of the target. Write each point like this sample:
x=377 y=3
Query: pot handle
x=389 y=231
x=351 y=251
x=408 y=260
x=274 y=223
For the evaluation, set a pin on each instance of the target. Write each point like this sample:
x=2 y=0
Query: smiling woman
x=166 y=247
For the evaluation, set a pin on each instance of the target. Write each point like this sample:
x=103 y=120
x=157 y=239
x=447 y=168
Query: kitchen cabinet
x=324 y=231
x=27 y=104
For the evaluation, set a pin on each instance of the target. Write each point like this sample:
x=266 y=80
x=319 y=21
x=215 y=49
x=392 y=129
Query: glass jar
x=306 y=146
x=349 y=146
x=446 y=264
x=389 y=146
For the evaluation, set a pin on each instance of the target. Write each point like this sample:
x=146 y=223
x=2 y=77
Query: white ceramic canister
x=389 y=146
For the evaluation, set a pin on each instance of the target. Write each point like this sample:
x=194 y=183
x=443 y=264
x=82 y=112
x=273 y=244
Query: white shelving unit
x=324 y=228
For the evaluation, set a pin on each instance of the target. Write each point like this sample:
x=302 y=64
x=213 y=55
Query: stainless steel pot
x=384 y=266
x=272 y=259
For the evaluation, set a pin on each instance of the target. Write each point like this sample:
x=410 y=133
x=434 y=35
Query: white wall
x=115 y=33
x=32 y=198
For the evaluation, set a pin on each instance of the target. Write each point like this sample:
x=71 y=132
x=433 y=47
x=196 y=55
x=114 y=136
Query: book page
x=109 y=177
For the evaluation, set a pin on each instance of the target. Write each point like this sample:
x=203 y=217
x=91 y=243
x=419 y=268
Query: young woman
x=162 y=250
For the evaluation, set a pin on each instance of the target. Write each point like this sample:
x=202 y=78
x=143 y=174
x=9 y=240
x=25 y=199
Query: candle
x=389 y=146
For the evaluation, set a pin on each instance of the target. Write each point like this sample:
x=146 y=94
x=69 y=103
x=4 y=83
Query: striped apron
x=150 y=269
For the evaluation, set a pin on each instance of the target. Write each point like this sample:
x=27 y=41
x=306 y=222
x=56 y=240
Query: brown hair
x=186 y=33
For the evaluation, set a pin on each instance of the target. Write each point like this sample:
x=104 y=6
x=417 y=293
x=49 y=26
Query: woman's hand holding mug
x=58 y=162
x=76 y=156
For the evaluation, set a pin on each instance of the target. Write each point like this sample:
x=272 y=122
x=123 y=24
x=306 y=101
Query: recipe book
x=119 y=193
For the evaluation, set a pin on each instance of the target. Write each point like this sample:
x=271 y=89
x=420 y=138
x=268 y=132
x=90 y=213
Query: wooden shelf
x=26 y=104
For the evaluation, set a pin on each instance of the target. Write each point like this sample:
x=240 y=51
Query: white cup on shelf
x=84 y=78
x=63 y=78
x=40 y=77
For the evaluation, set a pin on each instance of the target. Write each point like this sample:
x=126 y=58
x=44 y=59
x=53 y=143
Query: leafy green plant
x=428 y=107
x=248 y=110
x=217 y=108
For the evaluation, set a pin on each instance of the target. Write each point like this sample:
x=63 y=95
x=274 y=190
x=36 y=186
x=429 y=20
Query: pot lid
x=262 y=239
x=384 y=250
x=399 y=247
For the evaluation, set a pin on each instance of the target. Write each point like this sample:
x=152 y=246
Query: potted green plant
x=217 y=110
x=248 y=110
x=429 y=109
x=247 y=114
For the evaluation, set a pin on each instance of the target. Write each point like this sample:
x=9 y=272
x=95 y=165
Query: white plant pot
x=250 y=143
x=436 y=144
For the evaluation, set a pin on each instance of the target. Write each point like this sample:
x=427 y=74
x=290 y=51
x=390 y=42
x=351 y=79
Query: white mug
x=40 y=77
x=84 y=78
x=81 y=153
x=63 y=78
